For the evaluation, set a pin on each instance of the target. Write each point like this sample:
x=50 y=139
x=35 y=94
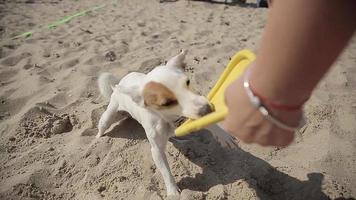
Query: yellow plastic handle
x=233 y=71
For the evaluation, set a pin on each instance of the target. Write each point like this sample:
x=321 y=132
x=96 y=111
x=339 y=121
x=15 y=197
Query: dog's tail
x=106 y=83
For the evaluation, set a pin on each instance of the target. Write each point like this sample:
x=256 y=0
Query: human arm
x=300 y=42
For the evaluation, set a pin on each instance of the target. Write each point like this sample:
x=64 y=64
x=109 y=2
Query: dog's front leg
x=158 y=147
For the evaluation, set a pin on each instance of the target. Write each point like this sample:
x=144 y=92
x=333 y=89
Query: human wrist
x=276 y=89
x=285 y=117
x=294 y=118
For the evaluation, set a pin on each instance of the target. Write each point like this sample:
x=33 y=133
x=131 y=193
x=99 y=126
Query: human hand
x=245 y=121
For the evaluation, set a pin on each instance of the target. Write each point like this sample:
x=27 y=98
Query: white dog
x=155 y=100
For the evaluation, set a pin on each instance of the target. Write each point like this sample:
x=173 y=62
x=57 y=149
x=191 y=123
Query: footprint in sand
x=7 y=75
x=43 y=80
x=45 y=77
x=149 y=65
x=210 y=17
x=14 y=60
x=89 y=70
x=202 y=34
x=69 y=64
x=59 y=100
x=9 y=107
x=158 y=37
x=95 y=59
x=6 y=49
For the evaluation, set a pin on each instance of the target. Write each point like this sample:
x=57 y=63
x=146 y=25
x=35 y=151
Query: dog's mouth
x=205 y=111
x=179 y=121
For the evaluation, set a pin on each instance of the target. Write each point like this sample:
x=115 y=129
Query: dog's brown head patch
x=158 y=96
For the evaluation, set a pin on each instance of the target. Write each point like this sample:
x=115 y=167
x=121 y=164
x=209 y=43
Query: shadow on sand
x=221 y=166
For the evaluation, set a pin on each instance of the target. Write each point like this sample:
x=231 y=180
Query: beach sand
x=50 y=105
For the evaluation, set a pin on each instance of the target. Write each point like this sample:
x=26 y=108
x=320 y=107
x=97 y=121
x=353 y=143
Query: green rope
x=69 y=18
x=114 y=2
x=24 y=35
x=64 y=20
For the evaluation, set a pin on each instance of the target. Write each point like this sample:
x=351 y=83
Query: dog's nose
x=204 y=110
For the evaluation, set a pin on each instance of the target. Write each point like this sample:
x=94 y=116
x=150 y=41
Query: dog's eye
x=188 y=82
x=170 y=102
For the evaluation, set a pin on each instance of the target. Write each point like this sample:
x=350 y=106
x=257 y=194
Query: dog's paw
x=99 y=135
x=174 y=191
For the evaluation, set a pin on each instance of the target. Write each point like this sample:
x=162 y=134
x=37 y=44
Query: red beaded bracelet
x=275 y=105
x=261 y=106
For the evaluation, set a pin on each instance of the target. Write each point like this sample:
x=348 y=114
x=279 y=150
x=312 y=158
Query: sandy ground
x=50 y=107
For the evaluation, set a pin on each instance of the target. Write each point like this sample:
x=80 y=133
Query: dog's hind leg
x=107 y=118
x=158 y=147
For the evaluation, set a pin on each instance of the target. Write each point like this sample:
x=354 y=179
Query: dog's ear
x=178 y=60
x=158 y=96
x=134 y=92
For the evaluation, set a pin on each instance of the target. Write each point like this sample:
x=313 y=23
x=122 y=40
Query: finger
x=242 y=124
x=243 y=135
x=254 y=126
x=246 y=138
x=283 y=138
x=229 y=126
x=264 y=137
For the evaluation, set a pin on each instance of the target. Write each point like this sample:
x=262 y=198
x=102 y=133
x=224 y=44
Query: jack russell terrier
x=156 y=100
